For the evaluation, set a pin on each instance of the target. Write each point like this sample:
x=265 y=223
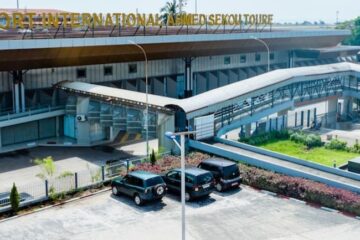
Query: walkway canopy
x=214 y=100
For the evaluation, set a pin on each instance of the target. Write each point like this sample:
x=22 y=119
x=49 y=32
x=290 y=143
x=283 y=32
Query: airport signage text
x=30 y=20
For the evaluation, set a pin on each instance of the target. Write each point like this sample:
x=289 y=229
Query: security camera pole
x=181 y=146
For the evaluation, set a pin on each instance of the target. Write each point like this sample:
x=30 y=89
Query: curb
x=55 y=205
x=318 y=206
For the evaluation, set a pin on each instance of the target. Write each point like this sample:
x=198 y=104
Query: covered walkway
x=262 y=88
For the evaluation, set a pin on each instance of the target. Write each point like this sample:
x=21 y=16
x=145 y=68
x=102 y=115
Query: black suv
x=141 y=186
x=226 y=173
x=198 y=183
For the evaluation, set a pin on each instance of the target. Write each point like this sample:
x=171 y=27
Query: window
x=132 y=68
x=257 y=57
x=272 y=56
x=108 y=71
x=227 y=60
x=81 y=73
x=134 y=181
x=243 y=59
x=174 y=175
x=190 y=179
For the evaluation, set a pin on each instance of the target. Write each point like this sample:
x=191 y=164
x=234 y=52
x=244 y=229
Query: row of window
x=243 y=59
x=108 y=71
x=132 y=68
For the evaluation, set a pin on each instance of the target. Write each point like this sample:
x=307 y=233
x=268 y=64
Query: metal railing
x=39 y=191
x=29 y=112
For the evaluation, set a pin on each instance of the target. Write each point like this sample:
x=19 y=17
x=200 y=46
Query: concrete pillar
x=291 y=62
x=22 y=96
x=332 y=110
x=189 y=84
x=248 y=130
x=166 y=123
x=16 y=98
x=82 y=127
x=346 y=108
x=18 y=92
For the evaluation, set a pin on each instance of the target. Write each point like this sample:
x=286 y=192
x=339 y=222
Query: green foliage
x=336 y=144
x=171 y=8
x=14 y=199
x=266 y=137
x=354 y=26
x=95 y=174
x=65 y=174
x=160 y=152
x=309 y=140
x=153 y=157
x=47 y=167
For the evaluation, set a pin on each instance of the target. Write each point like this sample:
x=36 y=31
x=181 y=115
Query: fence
x=39 y=190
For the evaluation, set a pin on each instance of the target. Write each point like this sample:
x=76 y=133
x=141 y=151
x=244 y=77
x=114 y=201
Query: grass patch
x=319 y=155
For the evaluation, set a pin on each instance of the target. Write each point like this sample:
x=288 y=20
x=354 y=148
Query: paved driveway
x=245 y=214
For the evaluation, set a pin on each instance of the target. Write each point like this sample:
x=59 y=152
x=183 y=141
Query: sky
x=283 y=10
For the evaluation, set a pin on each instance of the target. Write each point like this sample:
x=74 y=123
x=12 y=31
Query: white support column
x=16 y=97
x=248 y=130
x=332 y=111
x=22 y=96
x=346 y=108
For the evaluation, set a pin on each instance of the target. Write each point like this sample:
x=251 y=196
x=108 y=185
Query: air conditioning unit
x=81 y=118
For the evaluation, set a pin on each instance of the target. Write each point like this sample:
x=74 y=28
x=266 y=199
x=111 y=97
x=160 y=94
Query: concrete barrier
x=269 y=166
x=284 y=157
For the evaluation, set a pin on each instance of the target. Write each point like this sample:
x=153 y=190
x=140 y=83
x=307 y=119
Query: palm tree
x=172 y=8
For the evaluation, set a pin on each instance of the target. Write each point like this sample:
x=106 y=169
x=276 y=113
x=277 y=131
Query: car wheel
x=159 y=190
x=137 y=200
x=115 y=190
x=219 y=188
x=187 y=197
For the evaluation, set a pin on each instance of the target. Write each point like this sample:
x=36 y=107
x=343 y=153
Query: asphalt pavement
x=242 y=214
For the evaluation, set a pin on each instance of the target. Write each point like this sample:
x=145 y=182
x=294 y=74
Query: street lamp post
x=147 y=97
x=17 y=4
x=182 y=135
x=267 y=48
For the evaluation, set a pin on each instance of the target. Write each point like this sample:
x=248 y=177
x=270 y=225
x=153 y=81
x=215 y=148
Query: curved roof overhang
x=51 y=53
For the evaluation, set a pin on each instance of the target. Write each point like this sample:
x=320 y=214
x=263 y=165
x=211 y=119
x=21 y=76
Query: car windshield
x=231 y=172
x=154 y=181
x=204 y=178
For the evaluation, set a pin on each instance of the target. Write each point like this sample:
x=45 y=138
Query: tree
x=48 y=170
x=153 y=158
x=47 y=167
x=14 y=199
x=354 y=26
x=172 y=8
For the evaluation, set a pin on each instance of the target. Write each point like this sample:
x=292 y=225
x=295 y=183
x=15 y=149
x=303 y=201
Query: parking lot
x=241 y=214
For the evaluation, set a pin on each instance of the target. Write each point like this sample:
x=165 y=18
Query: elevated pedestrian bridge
x=244 y=101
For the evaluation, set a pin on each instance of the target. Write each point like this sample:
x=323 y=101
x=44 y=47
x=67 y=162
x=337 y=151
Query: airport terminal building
x=85 y=87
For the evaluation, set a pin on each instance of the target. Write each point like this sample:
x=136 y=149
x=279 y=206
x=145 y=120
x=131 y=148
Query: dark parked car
x=5 y=198
x=198 y=182
x=226 y=173
x=141 y=186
